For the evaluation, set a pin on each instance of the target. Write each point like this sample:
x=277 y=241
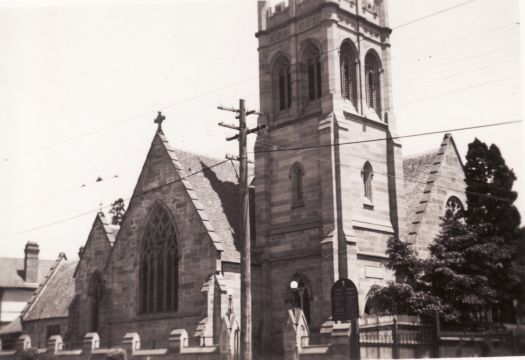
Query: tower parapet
x=275 y=13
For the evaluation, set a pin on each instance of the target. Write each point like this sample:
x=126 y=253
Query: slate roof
x=54 y=295
x=13 y=327
x=215 y=190
x=416 y=169
x=12 y=272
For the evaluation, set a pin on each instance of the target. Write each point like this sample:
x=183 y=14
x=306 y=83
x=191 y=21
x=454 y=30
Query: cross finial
x=160 y=118
x=100 y=208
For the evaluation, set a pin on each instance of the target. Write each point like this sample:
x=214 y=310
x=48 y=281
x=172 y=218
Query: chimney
x=31 y=262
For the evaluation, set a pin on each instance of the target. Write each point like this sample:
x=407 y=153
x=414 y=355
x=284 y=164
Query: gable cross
x=160 y=118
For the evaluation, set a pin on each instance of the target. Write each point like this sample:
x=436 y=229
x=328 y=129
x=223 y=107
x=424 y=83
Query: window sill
x=371 y=114
x=349 y=107
x=367 y=204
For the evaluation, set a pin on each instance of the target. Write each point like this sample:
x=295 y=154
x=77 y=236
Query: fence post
x=355 y=344
x=54 y=344
x=436 y=336
x=131 y=342
x=90 y=342
x=395 y=340
x=23 y=343
x=176 y=340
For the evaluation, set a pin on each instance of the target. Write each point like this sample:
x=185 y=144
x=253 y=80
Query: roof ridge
x=421 y=153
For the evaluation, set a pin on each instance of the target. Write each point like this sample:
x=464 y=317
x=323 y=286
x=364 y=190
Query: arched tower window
x=301 y=295
x=159 y=268
x=373 y=82
x=368 y=174
x=455 y=206
x=312 y=64
x=282 y=83
x=296 y=179
x=348 y=73
x=95 y=293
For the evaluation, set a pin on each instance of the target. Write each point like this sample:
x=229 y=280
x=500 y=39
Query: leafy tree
x=492 y=216
x=411 y=294
x=476 y=263
x=117 y=210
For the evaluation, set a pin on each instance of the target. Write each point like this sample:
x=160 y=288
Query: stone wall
x=178 y=346
x=94 y=258
x=197 y=254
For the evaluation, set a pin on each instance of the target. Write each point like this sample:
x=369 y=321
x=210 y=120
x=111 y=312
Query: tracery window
x=159 y=271
x=95 y=293
x=312 y=61
x=368 y=174
x=348 y=73
x=296 y=179
x=373 y=82
x=455 y=206
x=282 y=83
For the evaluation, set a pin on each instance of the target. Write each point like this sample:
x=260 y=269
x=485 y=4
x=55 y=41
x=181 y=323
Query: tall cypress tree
x=492 y=216
x=476 y=262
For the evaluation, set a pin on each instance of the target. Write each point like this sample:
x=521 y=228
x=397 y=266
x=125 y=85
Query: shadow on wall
x=228 y=193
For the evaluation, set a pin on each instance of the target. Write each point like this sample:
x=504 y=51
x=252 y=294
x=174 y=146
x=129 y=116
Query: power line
x=107 y=206
x=389 y=138
x=433 y=14
x=263 y=151
x=217 y=89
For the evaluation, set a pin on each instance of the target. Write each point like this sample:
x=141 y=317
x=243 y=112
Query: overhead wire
x=204 y=168
x=293 y=148
x=255 y=77
x=135 y=118
x=260 y=151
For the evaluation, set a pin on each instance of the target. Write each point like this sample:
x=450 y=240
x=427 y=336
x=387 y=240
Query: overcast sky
x=81 y=81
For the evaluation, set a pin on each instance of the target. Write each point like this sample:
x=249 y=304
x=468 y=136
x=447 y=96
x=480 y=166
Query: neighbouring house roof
x=13 y=327
x=53 y=296
x=12 y=272
x=216 y=188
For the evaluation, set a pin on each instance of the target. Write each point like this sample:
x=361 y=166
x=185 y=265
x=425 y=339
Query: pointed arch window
x=300 y=295
x=282 y=84
x=373 y=82
x=296 y=178
x=159 y=268
x=95 y=294
x=312 y=61
x=368 y=174
x=348 y=73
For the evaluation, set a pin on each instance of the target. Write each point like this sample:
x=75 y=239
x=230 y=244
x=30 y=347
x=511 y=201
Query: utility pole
x=246 y=275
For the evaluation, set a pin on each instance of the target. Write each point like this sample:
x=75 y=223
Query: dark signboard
x=345 y=303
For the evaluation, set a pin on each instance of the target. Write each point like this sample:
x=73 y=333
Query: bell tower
x=327 y=182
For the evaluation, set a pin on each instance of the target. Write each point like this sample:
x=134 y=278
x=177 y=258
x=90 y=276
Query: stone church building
x=330 y=187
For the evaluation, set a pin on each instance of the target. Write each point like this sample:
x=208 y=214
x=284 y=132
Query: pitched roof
x=111 y=231
x=54 y=295
x=215 y=192
x=420 y=174
x=13 y=327
x=416 y=169
x=12 y=270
